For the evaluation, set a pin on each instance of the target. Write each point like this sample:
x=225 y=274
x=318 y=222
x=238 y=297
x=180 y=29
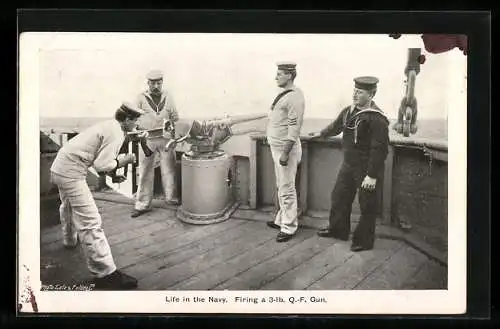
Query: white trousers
x=167 y=162
x=80 y=217
x=287 y=217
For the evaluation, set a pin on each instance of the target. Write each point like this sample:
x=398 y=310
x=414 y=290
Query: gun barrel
x=235 y=119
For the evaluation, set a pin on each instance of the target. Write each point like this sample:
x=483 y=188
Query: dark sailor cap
x=366 y=83
x=129 y=110
x=286 y=66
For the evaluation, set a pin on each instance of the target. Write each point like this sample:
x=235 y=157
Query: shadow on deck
x=239 y=254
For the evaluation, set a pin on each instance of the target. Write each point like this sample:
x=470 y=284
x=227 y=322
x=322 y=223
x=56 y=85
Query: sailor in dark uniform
x=365 y=146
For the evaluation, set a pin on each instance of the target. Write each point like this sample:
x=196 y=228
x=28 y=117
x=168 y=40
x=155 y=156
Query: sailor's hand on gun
x=138 y=135
x=143 y=135
x=124 y=159
x=118 y=179
x=314 y=134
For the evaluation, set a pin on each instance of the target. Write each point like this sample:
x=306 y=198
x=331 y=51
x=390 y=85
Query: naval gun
x=206 y=170
x=206 y=136
x=408 y=110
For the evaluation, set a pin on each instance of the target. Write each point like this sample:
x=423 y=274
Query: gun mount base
x=207 y=188
x=199 y=219
x=204 y=151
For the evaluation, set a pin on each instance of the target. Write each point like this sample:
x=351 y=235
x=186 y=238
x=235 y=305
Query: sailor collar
x=355 y=117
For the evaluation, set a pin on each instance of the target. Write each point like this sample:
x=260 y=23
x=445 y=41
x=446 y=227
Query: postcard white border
x=451 y=301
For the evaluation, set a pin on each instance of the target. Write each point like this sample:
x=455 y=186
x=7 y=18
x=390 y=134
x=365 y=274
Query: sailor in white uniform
x=157 y=105
x=96 y=147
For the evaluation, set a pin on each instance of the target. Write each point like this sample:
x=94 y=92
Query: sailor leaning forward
x=97 y=147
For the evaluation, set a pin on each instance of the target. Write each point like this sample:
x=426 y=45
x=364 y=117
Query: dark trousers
x=348 y=182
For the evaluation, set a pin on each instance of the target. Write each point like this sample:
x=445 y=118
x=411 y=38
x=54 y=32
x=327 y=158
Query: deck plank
x=132 y=233
x=63 y=267
x=241 y=253
x=358 y=266
x=53 y=233
x=431 y=275
x=156 y=243
x=215 y=277
x=123 y=234
x=394 y=272
x=123 y=230
x=184 y=253
x=113 y=217
x=271 y=269
x=175 y=274
x=302 y=276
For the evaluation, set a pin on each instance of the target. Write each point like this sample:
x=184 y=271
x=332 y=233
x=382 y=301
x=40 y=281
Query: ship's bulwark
x=429 y=129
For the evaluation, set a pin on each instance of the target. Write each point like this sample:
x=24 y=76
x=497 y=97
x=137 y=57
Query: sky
x=210 y=75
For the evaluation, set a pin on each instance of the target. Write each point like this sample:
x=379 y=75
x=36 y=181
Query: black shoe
x=272 y=225
x=358 y=248
x=326 y=233
x=283 y=237
x=137 y=213
x=115 y=281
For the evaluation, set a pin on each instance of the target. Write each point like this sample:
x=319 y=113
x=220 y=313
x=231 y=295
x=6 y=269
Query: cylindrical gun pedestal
x=206 y=188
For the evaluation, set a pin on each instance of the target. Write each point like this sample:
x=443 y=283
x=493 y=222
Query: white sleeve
x=110 y=146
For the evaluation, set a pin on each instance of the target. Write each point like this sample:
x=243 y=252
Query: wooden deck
x=239 y=254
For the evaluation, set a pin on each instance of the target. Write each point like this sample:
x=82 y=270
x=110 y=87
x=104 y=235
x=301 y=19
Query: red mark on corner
x=33 y=300
x=30 y=297
x=441 y=43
